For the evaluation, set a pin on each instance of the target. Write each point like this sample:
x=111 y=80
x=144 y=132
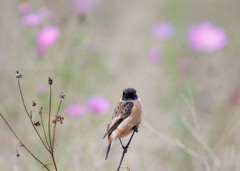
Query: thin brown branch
x=38 y=133
x=23 y=144
x=49 y=125
x=49 y=118
x=55 y=165
x=35 y=157
x=55 y=124
x=125 y=150
x=24 y=105
x=11 y=129
x=30 y=114
x=44 y=131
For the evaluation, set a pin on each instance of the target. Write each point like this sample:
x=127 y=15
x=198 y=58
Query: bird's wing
x=121 y=112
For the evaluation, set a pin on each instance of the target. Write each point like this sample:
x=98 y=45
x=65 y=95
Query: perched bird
x=126 y=117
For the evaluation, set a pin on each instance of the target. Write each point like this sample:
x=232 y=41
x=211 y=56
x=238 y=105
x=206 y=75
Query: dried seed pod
x=36 y=123
x=62 y=96
x=34 y=104
x=18 y=75
x=50 y=81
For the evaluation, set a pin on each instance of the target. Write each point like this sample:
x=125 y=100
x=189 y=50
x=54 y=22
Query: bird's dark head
x=129 y=94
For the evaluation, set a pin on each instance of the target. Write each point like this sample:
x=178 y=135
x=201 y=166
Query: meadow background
x=182 y=57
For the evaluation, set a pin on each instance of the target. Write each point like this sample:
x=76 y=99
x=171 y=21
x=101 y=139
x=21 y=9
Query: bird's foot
x=135 y=128
x=125 y=149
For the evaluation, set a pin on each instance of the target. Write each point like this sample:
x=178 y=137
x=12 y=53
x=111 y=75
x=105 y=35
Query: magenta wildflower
x=24 y=8
x=31 y=19
x=98 y=104
x=205 y=37
x=154 y=55
x=76 y=110
x=46 y=38
x=84 y=7
x=164 y=31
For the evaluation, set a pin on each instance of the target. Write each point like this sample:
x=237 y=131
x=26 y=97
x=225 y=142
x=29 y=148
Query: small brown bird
x=126 y=117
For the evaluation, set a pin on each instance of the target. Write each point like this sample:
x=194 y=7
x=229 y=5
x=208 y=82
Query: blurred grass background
x=190 y=119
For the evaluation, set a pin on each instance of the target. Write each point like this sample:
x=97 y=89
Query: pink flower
x=46 y=38
x=206 y=38
x=98 y=104
x=84 y=7
x=24 y=8
x=31 y=19
x=154 y=55
x=76 y=110
x=184 y=64
x=164 y=31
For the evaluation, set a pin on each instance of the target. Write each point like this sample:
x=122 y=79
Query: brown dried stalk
x=135 y=129
x=22 y=145
x=49 y=144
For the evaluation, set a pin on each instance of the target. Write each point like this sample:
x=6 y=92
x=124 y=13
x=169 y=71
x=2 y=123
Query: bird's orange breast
x=134 y=119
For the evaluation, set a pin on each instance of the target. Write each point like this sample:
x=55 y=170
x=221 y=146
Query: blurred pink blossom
x=84 y=7
x=164 y=31
x=46 y=38
x=40 y=50
x=184 y=64
x=98 y=104
x=24 y=8
x=154 y=55
x=42 y=89
x=31 y=19
x=75 y=110
x=45 y=14
x=235 y=97
x=205 y=37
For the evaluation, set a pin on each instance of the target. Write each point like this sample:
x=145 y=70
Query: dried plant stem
x=38 y=133
x=192 y=109
x=30 y=115
x=53 y=158
x=178 y=143
x=215 y=159
x=229 y=131
x=44 y=131
x=55 y=124
x=49 y=127
x=49 y=147
x=24 y=105
x=23 y=144
x=49 y=118
x=125 y=150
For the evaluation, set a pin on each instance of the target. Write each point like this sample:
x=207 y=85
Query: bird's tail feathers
x=108 y=149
